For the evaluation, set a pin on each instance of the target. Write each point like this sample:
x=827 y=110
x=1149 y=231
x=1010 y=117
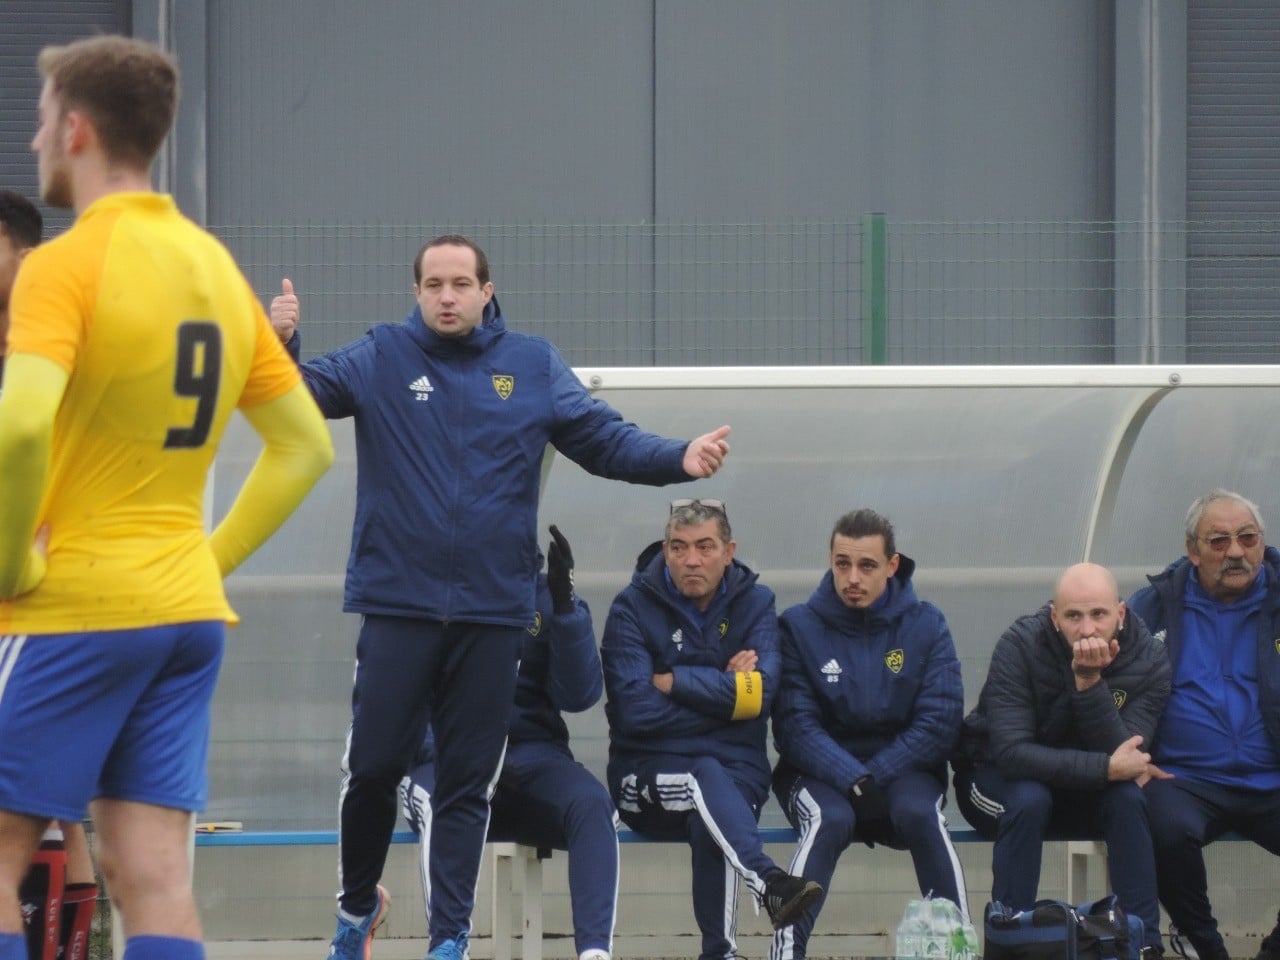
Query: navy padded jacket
x=1033 y=724
x=867 y=691
x=648 y=631
x=450 y=436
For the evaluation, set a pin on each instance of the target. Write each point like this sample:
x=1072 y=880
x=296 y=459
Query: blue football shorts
x=122 y=714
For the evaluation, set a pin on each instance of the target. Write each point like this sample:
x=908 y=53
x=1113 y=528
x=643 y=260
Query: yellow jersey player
x=132 y=338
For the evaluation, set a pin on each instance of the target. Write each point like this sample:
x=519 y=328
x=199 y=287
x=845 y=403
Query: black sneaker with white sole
x=786 y=897
x=1190 y=947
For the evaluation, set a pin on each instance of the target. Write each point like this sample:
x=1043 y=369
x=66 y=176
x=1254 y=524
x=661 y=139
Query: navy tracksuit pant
x=1019 y=815
x=715 y=809
x=827 y=825
x=461 y=679
x=1187 y=814
x=544 y=798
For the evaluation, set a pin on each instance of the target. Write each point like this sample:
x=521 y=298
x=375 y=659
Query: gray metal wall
x=26 y=26
x=601 y=110
x=1233 y=174
x=418 y=117
x=724 y=152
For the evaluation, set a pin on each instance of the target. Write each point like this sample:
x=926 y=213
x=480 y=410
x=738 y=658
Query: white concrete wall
x=286 y=893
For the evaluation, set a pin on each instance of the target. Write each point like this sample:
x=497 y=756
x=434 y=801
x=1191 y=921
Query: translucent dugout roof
x=995 y=478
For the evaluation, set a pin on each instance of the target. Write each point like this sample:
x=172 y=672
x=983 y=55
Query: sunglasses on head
x=716 y=505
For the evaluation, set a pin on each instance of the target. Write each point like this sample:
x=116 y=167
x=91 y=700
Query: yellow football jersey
x=162 y=338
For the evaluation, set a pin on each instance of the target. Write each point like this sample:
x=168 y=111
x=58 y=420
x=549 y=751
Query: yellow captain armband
x=750 y=699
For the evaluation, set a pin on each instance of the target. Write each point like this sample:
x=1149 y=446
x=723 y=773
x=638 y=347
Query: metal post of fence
x=874 y=288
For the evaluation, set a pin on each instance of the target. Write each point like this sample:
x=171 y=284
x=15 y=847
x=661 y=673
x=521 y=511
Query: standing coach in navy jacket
x=867 y=712
x=453 y=413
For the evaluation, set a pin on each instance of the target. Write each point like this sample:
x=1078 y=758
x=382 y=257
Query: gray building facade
x=662 y=182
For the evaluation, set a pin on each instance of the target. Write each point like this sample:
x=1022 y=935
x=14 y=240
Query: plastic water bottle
x=942 y=917
x=964 y=942
x=909 y=944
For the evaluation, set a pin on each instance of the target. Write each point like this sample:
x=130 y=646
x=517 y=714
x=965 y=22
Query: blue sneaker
x=354 y=941
x=450 y=949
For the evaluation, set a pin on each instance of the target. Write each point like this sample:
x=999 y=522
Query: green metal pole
x=875 y=255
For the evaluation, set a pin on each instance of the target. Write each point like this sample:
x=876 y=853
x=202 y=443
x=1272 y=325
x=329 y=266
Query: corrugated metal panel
x=1233 y=175
x=1000 y=110
x=499 y=112
x=25 y=27
x=502 y=119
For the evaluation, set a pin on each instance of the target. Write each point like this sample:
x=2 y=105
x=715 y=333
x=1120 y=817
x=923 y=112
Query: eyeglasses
x=716 y=505
x=1222 y=542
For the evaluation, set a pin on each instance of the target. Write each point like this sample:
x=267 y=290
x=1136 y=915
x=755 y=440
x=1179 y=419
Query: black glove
x=870 y=803
x=560 y=572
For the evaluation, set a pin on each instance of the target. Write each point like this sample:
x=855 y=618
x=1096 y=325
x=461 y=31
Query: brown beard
x=58 y=191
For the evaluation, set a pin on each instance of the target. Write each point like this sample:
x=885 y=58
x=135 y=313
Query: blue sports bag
x=1053 y=930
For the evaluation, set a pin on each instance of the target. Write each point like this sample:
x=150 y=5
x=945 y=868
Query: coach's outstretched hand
x=285 y=312
x=705 y=455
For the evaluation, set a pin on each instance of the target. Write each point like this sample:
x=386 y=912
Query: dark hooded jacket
x=559 y=673
x=1033 y=724
x=649 y=631
x=450 y=436
x=873 y=691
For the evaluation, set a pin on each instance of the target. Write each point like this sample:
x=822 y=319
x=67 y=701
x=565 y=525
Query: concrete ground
x=412 y=949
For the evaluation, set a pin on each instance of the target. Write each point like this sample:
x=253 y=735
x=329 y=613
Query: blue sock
x=13 y=946
x=160 y=948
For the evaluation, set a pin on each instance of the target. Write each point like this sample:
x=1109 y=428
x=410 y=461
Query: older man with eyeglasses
x=1218 y=611
x=691 y=665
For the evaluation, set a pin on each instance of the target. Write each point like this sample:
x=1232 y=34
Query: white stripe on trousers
x=10 y=648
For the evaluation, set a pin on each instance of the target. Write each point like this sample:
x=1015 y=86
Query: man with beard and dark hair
x=1054 y=748
x=1218 y=611
x=867 y=712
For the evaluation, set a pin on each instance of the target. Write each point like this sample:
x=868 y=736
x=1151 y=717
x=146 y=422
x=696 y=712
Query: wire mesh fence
x=693 y=294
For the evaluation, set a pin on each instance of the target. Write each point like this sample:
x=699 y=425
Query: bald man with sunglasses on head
x=691 y=664
x=1218 y=611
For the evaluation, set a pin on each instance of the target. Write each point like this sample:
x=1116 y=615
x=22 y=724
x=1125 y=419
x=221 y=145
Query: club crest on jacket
x=894 y=660
x=504 y=384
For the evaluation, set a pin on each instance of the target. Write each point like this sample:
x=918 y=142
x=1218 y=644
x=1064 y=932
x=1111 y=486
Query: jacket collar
x=491 y=328
x=899 y=595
